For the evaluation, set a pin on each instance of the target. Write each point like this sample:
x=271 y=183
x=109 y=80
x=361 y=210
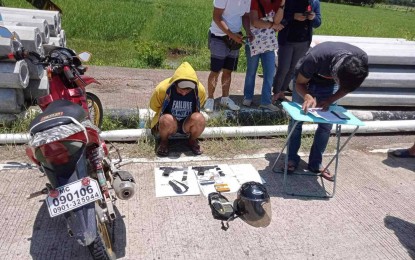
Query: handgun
x=168 y=170
x=201 y=169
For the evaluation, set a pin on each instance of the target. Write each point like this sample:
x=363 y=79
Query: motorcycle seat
x=56 y=114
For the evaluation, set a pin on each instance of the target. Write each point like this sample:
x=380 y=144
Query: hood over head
x=185 y=73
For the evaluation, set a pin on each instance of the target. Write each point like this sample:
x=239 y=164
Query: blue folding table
x=296 y=113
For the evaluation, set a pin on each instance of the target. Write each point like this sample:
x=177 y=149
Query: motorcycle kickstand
x=44 y=191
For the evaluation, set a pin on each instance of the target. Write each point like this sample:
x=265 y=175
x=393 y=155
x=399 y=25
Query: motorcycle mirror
x=5 y=33
x=84 y=56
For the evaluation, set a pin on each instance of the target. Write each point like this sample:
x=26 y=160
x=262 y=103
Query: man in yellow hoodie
x=177 y=102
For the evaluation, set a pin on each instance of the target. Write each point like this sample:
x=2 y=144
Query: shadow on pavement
x=296 y=183
x=17 y=165
x=405 y=231
x=50 y=239
x=395 y=162
x=177 y=147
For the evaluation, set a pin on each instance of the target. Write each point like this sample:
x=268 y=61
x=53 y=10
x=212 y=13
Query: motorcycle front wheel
x=101 y=248
x=96 y=111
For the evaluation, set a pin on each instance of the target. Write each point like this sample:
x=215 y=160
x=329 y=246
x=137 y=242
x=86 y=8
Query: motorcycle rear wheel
x=101 y=248
x=96 y=111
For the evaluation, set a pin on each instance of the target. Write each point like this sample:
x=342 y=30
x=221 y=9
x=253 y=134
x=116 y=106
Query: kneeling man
x=177 y=101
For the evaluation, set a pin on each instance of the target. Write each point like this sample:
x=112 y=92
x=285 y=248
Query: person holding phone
x=300 y=17
x=328 y=72
x=265 y=17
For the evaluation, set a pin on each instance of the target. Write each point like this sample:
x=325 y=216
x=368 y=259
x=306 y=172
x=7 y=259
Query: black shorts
x=221 y=57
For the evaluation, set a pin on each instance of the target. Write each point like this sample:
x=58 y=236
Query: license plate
x=72 y=196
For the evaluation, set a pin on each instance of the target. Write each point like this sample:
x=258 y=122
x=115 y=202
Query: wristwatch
x=282 y=6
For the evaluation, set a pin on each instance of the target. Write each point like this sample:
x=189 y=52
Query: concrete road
x=370 y=217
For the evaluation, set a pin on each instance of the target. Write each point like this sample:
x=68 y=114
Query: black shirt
x=180 y=106
x=319 y=61
x=299 y=31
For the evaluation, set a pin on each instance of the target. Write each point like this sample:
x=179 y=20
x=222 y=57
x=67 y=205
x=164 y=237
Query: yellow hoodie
x=161 y=95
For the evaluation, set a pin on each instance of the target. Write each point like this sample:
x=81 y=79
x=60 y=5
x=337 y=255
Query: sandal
x=291 y=167
x=163 y=149
x=324 y=173
x=195 y=147
x=402 y=153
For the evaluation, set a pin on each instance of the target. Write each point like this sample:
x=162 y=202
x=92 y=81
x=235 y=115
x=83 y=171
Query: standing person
x=228 y=18
x=177 y=101
x=328 y=72
x=300 y=17
x=265 y=17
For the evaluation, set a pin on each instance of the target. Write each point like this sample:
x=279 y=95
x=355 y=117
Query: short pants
x=221 y=57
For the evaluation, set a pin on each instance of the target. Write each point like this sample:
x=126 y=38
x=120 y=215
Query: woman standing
x=300 y=17
x=265 y=16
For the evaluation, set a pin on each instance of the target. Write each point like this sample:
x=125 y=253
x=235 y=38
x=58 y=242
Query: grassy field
x=141 y=33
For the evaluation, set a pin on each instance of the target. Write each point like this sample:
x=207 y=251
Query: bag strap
x=262 y=7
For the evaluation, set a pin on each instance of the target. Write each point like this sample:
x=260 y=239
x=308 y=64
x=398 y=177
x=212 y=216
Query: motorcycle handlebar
x=23 y=54
x=57 y=63
x=4 y=57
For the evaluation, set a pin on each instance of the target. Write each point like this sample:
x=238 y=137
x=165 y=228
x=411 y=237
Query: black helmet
x=253 y=204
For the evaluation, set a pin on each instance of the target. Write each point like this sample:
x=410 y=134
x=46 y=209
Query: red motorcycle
x=67 y=81
x=84 y=181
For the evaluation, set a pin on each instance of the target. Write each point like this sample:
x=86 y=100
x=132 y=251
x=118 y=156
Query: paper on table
x=326 y=115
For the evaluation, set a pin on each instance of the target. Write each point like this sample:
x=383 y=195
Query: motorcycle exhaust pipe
x=124 y=185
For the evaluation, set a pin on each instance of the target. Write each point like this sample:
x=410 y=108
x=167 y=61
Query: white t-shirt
x=232 y=14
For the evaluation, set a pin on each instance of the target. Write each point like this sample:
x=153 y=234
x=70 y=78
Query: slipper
x=163 y=150
x=291 y=167
x=402 y=153
x=326 y=174
x=195 y=147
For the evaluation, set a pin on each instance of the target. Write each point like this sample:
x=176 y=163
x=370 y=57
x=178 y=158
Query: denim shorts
x=221 y=57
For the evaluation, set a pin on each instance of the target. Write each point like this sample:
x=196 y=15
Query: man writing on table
x=325 y=74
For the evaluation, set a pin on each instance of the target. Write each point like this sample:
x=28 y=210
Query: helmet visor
x=256 y=213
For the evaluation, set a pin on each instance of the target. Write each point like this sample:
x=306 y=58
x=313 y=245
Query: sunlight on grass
x=364 y=21
x=21 y=124
x=233 y=146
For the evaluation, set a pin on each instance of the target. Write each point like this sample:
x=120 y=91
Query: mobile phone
x=245 y=40
x=306 y=13
x=340 y=115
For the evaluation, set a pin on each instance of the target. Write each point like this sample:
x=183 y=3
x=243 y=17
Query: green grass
x=116 y=32
x=21 y=124
x=364 y=21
